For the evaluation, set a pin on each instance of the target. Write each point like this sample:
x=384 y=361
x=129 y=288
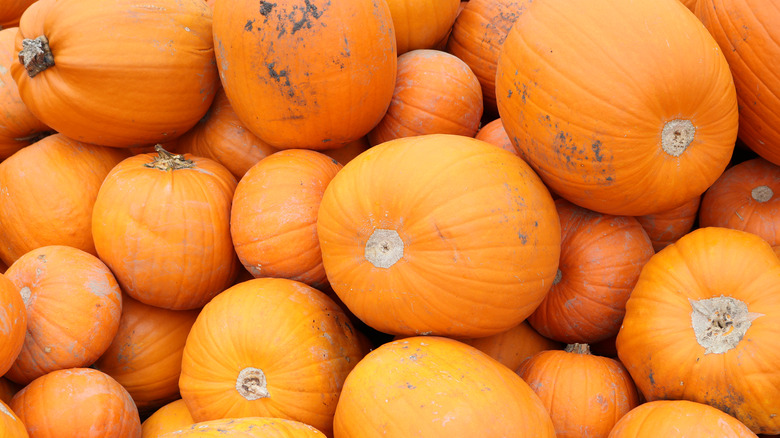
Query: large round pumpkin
x=161 y=223
x=439 y=234
x=678 y=419
x=629 y=111
x=13 y=323
x=269 y=347
x=117 y=73
x=701 y=325
x=312 y=74
x=247 y=427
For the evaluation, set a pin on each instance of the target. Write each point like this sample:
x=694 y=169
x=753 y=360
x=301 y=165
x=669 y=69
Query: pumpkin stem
x=762 y=193
x=384 y=248
x=168 y=161
x=251 y=384
x=578 y=348
x=36 y=55
x=676 y=135
x=719 y=323
x=558 y=277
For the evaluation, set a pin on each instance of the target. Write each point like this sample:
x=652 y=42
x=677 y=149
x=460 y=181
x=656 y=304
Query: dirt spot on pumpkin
x=266 y=8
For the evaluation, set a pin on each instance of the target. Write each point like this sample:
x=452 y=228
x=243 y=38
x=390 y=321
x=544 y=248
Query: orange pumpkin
x=273 y=219
x=513 y=346
x=73 y=306
x=701 y=325
x=77 y=402
x=495 y=134
x=7 y=389
x=748 y=32
x=597 y=391
x=284 y=353
x=169 y=418
x=10 y=425
x=345 y=154
x=606 y=112
x=665 y=227
x=430 y=386
x=13 y=323
x=11 y=11
x=145 y=355
x=62 y=175
x=435 y=93
x=248 y=427
x=678 y=419
x=743 y=198
x=421 y=24
x=18 y=126
x=222 y=137
x=155 y=78
x=168 y=214
x=322 y=72
x=439 y=234
x=601 y=257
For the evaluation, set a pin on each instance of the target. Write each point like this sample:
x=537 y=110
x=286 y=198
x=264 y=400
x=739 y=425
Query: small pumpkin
x=13 y=323
x=514 y=346
x=421 y=24
x=247 y=427
x=169 y=418
x=665 y=227
x=494 y=133
x=678 y=419
x=10 y=425
x=11 y=11
x=77 y=402
x=346 y=153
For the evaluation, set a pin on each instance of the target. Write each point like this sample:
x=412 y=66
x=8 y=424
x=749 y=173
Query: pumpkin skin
x=421 y=24
x=10 y=425
x=291 y=366
x=145 y=355
x=598 y=390
x=665 y=227
x=678 y=419
x=156 y=76
x=743 y=198
x=12 y=11
x=18 y=126
x=434 y=386
x=672 y=342
x=13 y=323
x=345 y=154
x=439 y=234
x=273 y=219
x=495 y=134
x=513 y=346
x=221 y=136
x=169 y=418
x=601 y=257
x=77 y=402
x=73 y=307
x=8 y=389
x=181 y=204
x=748 y=31
x=606 y=112
x=323 y=72
x=72 y=170
x=249 y=427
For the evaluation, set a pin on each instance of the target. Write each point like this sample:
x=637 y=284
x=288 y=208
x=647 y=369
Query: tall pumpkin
x=439 y=234
x=625 y=108
x=168 y=215
x=322 y=71
x=117 y=73
x=701 y=325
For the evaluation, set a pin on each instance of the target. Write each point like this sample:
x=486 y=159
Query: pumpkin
x=323 y=72
x=73 y=306
x=145 y=355
x=273 y=220
x=77 y=402
x=118 y=73
x=601 y=257
x=421 y=24
x=344 y=154
x=433 y=386
x=291 y=365
x=513 y=346
x=10 y=425
x=495 y=134
x=222 y=137
x=700 y=325
x=606 y=112
x=63 y=175
x=477 y=36
x=11 y=11
x=678 y=419
x=439 y=234
x=665 y=227
x=18 y=126
x=13 y=323
x=748 y=32
x=170 y=215
x=743 y=198
x=250 y=427
x=598 y=390
x=435 y=93
x=169 y=418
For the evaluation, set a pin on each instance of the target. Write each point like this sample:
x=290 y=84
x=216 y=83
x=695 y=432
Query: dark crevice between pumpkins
x=168 y=161
x=36 y=55
x=34 y=137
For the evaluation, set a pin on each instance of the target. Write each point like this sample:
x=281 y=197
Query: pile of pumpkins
x=407 y=218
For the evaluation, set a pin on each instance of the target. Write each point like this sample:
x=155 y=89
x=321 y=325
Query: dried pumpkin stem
x=251 y=384
x=719 y=323
x=762 y=193
x=676 y=136
x=384 y=248
x=578 y=348
x=168 y=161
x=36 y=55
